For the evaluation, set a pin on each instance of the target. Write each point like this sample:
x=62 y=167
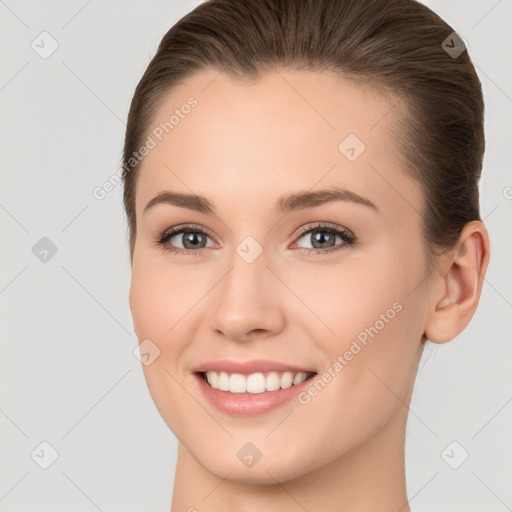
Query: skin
x=245 y=145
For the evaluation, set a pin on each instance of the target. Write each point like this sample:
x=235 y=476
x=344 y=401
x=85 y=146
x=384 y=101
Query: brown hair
x=394 y=45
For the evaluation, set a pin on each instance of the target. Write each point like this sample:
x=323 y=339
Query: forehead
x=286 y=131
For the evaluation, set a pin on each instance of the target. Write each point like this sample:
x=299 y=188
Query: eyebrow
x=296 y=201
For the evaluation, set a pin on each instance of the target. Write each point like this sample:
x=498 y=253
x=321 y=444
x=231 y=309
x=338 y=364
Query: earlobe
x=457 y=292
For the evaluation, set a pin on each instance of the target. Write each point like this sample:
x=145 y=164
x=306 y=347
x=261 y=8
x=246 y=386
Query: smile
x=254 y=383
x=254 y=393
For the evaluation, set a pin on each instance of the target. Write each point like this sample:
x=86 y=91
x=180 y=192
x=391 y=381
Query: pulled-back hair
x=398 y=47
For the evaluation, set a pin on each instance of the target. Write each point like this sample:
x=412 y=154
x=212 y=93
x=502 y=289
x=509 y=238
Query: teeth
x=300 y=377
x=237 y=383
x=255 y=382
x=223 y=381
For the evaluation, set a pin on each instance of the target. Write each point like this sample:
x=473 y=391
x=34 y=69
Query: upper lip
x=247 y=367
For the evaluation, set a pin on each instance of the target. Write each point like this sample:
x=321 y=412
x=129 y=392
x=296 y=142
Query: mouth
x=254 y=383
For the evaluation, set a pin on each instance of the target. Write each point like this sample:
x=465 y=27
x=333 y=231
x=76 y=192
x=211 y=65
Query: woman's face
x=265 y=282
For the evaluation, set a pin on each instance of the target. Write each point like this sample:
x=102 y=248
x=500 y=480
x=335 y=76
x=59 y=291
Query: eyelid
x=188 y=227
x=319 y=225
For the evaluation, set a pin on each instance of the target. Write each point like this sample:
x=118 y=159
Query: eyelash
x=346 y=235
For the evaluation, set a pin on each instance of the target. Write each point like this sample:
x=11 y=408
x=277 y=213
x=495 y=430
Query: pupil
x=319 y=237
x=192 y=238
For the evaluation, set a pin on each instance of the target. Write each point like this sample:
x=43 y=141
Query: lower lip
x=246 y=404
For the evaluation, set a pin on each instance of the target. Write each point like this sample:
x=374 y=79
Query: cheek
x=156 y=308
x=146 y=304
x=366 y=383
x=158 y=298
x=163 y=301
x=376 y=328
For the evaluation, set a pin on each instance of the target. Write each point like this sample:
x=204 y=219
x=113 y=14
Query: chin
x=273 y=466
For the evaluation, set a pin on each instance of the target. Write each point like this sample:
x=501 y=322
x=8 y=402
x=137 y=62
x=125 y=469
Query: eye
x=323 y=238
x=193 y=237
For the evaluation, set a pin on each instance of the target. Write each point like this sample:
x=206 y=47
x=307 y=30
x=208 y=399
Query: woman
x=301 y=186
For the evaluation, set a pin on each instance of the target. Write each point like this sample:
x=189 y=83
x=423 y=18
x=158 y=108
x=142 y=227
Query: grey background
x=68 y=374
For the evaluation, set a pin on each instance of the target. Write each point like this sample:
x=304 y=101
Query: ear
x=455 y=296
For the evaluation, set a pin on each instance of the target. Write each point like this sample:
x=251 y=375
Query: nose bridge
x=248 y=277
x=246 y=297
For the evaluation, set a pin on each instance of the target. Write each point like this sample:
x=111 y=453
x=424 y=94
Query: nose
x=248 y=301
